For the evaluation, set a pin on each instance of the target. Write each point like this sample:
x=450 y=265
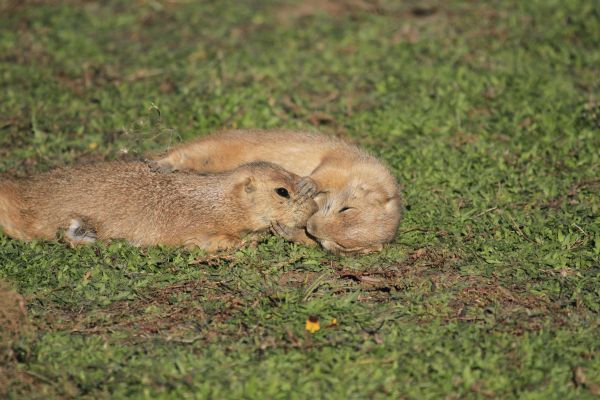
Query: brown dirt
x=13 y=320
x=329 y=7
x=172 y=312
x=13 y=326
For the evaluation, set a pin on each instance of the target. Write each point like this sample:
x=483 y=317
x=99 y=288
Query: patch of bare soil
x=173 y=313
x=474 y=298
x=330 y=7
x=13 y=325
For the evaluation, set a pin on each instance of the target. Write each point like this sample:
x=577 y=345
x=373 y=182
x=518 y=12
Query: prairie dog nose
x=310 y=227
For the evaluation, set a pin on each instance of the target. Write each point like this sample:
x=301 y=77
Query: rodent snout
x=311 y=227
x=305 y=210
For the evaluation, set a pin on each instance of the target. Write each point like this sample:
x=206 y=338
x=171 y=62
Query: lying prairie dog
x=359 y=199
x=127 y=200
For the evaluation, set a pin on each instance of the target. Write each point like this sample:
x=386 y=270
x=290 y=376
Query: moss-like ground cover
x=488 y=114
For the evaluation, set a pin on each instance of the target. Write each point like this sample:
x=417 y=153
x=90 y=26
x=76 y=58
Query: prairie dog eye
x=283 y=192
x=343 y=209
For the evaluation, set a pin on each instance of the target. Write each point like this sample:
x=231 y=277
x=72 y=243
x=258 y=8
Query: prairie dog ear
x=249 y=184
x=365 y=188
x=376 y=195
x=392 y=204
x=371 y=194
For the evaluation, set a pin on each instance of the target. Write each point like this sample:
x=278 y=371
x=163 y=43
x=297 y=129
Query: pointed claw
x=306 y=188
x=278 y=229
x=158 y=167
x=282 y=230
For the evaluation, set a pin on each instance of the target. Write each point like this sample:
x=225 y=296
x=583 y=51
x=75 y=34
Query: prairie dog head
x=271 y=194
x=358 y=219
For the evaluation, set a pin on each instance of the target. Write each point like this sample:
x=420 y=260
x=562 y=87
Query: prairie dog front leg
x=292 y=234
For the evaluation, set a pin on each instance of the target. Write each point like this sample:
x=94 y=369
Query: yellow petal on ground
x=312 y=324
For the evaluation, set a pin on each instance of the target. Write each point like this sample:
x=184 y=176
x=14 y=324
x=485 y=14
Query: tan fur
x=346 y=176
x=127 y=200
x=10 y=213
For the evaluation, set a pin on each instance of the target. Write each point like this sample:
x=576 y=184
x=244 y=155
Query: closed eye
x=343 y=209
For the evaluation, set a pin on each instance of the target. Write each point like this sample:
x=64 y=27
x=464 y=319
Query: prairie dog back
x=296 y=151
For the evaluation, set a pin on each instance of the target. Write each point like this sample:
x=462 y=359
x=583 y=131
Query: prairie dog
x=127 y=200
x=358 y=198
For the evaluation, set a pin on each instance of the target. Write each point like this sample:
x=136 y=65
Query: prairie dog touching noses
x=127 y=200
x=358 y=197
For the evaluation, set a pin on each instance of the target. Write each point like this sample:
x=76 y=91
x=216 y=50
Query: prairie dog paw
x=212 y=244
x=291 y=234
x=79 y=233
x=160 y=166
x=280 y=230
x=306 y=188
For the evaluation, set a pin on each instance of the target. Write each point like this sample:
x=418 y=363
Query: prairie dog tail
x=11 y=221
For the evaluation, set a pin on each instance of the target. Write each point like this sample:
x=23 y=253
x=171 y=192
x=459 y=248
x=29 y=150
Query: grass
x=488 y=114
